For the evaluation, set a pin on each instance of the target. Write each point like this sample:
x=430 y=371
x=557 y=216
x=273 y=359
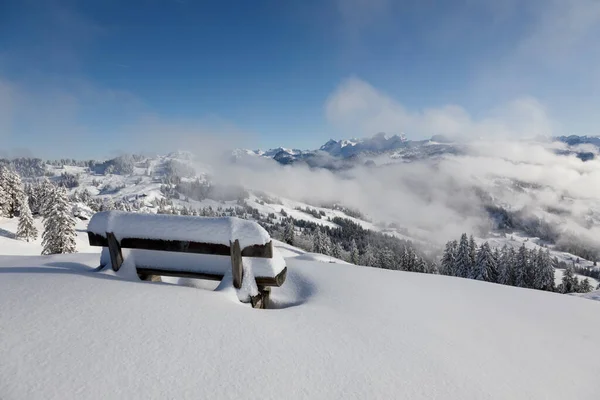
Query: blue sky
x=90 y=78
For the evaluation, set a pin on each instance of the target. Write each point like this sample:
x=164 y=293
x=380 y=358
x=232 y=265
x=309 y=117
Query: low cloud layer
x=437 y=200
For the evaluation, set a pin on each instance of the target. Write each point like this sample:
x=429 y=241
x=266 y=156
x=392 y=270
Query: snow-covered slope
x=339 y=331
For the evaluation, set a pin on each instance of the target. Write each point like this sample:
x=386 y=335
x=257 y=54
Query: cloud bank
x=359 y=107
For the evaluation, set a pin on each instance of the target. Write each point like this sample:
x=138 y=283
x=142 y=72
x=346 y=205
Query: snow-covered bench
x=195 y=247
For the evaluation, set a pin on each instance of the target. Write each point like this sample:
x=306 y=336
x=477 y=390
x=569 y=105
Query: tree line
x=350 y=242
x=526 y=268
x=45 y=199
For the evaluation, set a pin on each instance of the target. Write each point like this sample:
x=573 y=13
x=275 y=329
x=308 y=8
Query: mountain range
x=382 y=149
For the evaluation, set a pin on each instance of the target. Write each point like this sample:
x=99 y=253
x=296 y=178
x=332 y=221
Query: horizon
x=94 y=80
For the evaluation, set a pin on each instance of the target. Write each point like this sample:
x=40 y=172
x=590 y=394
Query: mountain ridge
x=397 y=147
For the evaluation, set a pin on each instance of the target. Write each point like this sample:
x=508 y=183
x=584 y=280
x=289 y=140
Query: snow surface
x=595 y=295
x=339 y=331
x=222 y=230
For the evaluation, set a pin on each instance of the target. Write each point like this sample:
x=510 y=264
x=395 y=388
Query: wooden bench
x=117 y=230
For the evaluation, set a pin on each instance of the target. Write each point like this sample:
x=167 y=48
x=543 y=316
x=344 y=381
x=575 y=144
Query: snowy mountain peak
x=278 y=150
x=181 y=155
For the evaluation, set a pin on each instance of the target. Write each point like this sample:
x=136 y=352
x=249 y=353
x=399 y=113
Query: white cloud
x=362 y=109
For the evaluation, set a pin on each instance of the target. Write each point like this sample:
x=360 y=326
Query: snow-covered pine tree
x=45 y=193
x=497 y=258
x=506 y=269
x=354 y=256
x=485 y=265
x=420 y=265
x=288 y=233
x=521 y=266
x=463 y=257
x=4 y=202
x=85 y=196
x=368 y=257
x=108 y=204
x=585 y=286
x=386 y=259
x=448 y=266
x=336 y=250
x=535 y=265
x=409 y=259
x=569 y=281
x=59 y=225
x=472 y=256
x=321 y=242
x=317 y=241
x=432 y=268
x=544 y=274
x=26 y=229
x=4 y=192
x=327 y=245
x=13 y=191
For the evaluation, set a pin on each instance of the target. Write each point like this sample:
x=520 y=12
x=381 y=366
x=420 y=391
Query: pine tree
x=336 y=250
x=432 y=268
x=13 y=192
x=321 y=242
x=4 y=202
x=521 y=267
x=463 y=257
x=26 y=230
x=354 y=256
x=288 y=233
x=368 y=257
x=409 y=262
x=108 y=204
x=485 y=265
x=497 y=258
x=569 y=281
x=45 y=193
x=420 y=265
x=449 y=259
x=585 y=286
x=59 y=225
x=506 y=266
x=472 y=256
x=544 y=271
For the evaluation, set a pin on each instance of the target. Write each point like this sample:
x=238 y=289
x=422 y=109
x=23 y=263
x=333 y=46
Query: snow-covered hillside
x=339 y=331
x=179 y=183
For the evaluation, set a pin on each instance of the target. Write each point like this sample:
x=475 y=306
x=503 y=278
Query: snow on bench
x=172 y=245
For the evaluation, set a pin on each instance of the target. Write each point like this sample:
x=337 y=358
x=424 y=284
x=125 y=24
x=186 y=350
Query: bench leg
x=150 y=278
x=237 y=267
x=116 y=257
x=261 y=300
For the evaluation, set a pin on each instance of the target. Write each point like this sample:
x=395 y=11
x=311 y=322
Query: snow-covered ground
x=338 y=331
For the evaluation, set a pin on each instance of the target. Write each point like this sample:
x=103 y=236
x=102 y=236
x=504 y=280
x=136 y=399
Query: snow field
x=337 y=331
x=340 y=331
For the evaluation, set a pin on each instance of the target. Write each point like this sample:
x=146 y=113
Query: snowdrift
x=340 y=331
